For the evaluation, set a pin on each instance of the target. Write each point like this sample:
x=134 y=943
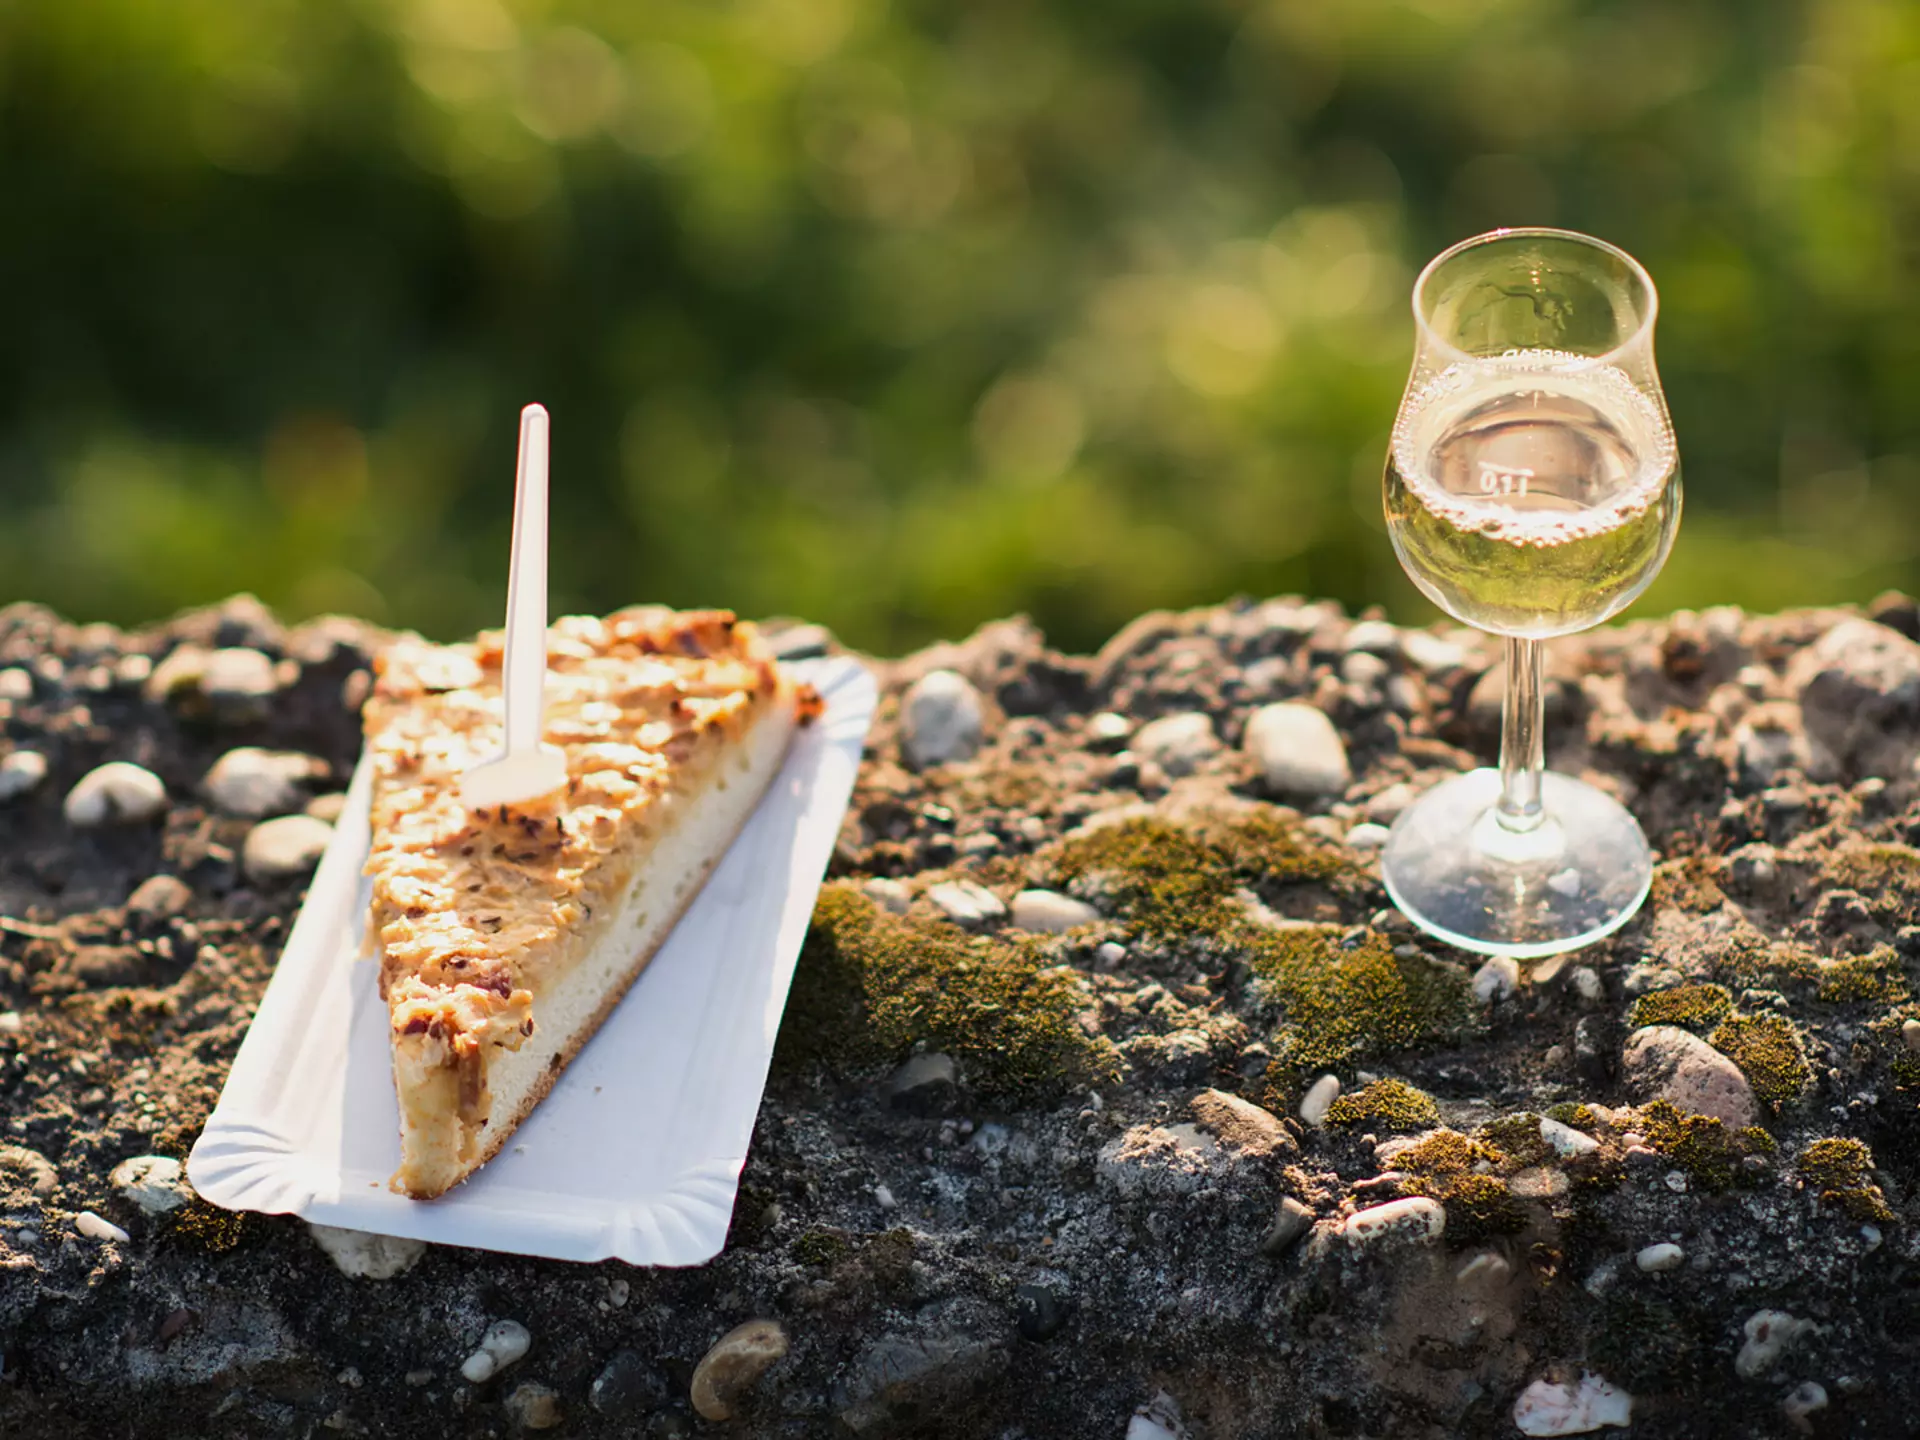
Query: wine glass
x=1532 y=490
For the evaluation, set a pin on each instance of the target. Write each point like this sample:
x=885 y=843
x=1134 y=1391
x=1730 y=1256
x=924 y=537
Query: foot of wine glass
x=1518 y=861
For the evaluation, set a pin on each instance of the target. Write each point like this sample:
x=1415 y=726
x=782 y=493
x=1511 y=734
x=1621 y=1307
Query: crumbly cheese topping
x=470 y=906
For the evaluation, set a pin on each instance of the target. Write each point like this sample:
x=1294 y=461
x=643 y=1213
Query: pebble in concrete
x=118 y=792
x=155 y=1183
x=1292 y=1221
x=1178 y=744
x=1047 y=912
x=1319 y=1099
x=1496 y=980
x=1416 y=1218
x=284 y=848
x=1548 y=1407
x=1770 y=1334
x=1665 y=1062
x=20 y=773
x=533 y=1406
x=1656 y=1258
x=734 y=1366
x=256 y=783
x=366 y=1256
x=1565 y=1140
x=505 y=1343
x=94 y=1227
x=1298 y=750
x=941 y=719
x=159 y=897
x=966 y=903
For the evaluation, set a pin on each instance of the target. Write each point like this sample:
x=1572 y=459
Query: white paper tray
x=637 y=1152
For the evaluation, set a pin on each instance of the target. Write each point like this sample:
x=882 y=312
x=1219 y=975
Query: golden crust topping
x=469 y=904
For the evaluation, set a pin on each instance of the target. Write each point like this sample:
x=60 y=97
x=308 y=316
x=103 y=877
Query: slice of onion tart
x=507 y=935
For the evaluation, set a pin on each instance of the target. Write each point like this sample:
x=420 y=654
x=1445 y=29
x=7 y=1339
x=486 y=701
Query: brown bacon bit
x=437 y=1028
x=499 y=983
x=416 y=912
x=417 y=1025
x=467 y=850
x=809 y=707
x=690 y=645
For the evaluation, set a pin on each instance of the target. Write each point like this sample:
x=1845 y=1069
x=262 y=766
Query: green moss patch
x=1174 y=883
x=1391 y=1105
x=1451 y=1168
x=1687 y=884
x=870 y=985
x=1692 y=1007
x=1767 y=1050
x=1841 y=1170
x=1887 y=876
x=1344 y=1005
x=1702 y=1146
x=1874 y=978
x=1181 y=884
x=1517 y=1138
x=1750 y=961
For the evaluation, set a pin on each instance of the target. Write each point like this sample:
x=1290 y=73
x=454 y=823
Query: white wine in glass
x=1532 y=490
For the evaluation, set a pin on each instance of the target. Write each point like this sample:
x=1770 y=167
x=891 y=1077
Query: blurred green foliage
x=904 y=315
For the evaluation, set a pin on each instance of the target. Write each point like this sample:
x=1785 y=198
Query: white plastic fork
x=527 y=768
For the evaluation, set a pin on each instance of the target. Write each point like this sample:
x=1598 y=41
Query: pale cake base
x=696 y=830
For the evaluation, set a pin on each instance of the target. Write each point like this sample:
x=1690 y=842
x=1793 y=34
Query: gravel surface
x=1050 y=1149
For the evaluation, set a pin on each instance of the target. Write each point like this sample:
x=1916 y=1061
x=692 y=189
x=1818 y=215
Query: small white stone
x=1549 y=1408
x=1770 y=1333
x=888 y=894
x=1586 y=983
x=237 y=675
x=1109 y=955
x=1047 y=912
x=288 y=846
x=1416 y=1218
x=1178 y=744
x=1375 y=637
x=966 y=903
x=1108 y=729
x=1565 y=882
x=117 y=792
x=617 y=1293
x=1498 y=979
x=1319 y=1099
x=504 y=1344
x=1158 y=1419
x=1430 y=652
x=20 y=772
x=1656 y=1258
x=94 y=1227
x=1803 y=1400
x=15 y=684
x=366 y=1256
x=883 y=1197
x=941 y=719
x=256 y=783
x=1298 y=750
x=153 y=1182
x=1871 y=1237
x=1368 y=836
x=1565 y=1140
x=1385 y=808
x=1910 y=1034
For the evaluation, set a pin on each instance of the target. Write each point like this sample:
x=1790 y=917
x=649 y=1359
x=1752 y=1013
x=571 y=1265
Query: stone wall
x=1049 y=1149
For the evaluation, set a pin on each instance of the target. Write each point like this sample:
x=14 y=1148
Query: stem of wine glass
x=1523 y=722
